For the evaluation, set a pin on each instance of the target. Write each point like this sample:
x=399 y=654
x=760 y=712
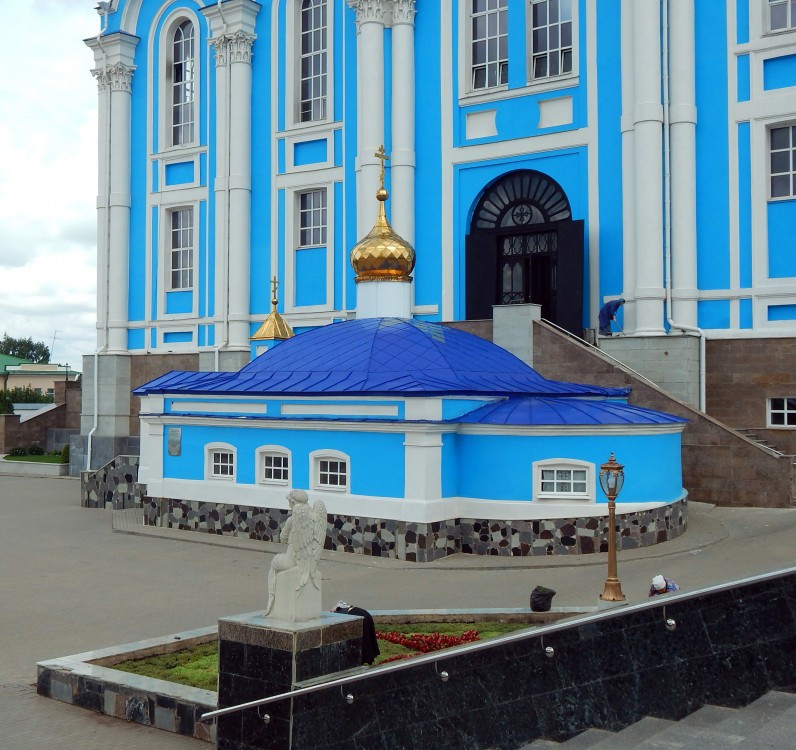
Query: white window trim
x=786 y=412
x=767 y=30
x=468 y=95
x=556 y=79
x=292 y=236
x=165 y=49
x=315 y=470
x=211 y=448
x=787 y=123
x=274 y=450
x=293 y=68
x=164 y=259
x=589 y=496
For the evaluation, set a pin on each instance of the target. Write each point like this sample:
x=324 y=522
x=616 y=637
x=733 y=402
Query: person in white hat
x=661 y=585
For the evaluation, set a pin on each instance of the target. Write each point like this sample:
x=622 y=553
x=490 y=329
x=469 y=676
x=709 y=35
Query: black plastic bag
x=541 y=599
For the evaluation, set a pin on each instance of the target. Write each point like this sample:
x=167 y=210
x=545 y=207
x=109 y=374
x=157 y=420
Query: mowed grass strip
x=198 y=666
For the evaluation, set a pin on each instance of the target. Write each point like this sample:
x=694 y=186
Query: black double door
x=538 y=263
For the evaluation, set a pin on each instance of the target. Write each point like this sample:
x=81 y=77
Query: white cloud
x=48 y=176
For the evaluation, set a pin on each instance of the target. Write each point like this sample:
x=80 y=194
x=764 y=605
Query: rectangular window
x=564 y=481
x=783 y=161
x=222 y=464
x=490 y=43
x=551 y=38
x=312 y=218
x=181 y=236
x=183 y=89
x=781 y=15
x=313 y=61
x=276 y=468
x=332 y=473
x=782 y=412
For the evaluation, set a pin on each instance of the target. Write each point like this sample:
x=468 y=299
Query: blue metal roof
x=534 y=410
x=379 y=356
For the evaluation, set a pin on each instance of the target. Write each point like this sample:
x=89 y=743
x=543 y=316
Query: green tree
x=6 y=404
x=27 y=348
x=28 y=395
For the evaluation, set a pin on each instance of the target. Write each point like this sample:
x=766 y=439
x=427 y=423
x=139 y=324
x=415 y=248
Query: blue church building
x=560 y=153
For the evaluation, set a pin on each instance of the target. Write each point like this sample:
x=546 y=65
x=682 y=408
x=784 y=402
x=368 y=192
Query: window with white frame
x=182 y=80
x=274 y=465
x=551 y=38
x=561 y=479
x=782 y=161
x=781 y=15
x=312 y=218
x=220 y=462
x=782 y=412
x=330 y=470
x=489 y=39
x=181 y=248
x=313 y=60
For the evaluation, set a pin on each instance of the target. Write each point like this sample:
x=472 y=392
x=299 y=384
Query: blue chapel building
x=559 y=153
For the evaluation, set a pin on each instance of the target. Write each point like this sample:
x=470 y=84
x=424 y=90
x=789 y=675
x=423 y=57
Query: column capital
x=403 y=12
x=369 y=11
x=232 y=48
x=117 y=77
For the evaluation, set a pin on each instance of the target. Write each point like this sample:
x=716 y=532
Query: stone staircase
x=769 y=723
x=750 y=433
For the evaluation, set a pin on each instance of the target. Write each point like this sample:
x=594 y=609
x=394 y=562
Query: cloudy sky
x=48 y=176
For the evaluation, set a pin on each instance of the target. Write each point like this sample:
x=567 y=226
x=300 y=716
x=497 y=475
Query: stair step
x=588 y=740
x=633 y=736
x=779 y=733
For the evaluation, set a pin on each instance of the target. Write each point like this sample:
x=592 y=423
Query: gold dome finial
x=383 y=255
x=274 y=326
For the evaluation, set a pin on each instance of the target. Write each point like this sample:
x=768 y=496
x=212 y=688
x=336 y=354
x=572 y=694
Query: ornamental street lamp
x=612 y=477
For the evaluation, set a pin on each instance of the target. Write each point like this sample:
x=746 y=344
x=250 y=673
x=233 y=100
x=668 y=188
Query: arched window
x=220 y=461
x=273 y=463
x=183 y=85
x=313 y=61
x=564 y=480
x=330 y=470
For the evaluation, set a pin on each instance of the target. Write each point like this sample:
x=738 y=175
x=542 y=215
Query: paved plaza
x=71 y=584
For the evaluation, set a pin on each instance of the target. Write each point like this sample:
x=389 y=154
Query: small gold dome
x=274 y=326
x=383 y=255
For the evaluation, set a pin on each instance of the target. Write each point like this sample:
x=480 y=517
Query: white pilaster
x=370 y=99
x=648 y=170
x=402 y=156
x=232 y=27
x=628 y=169
x=682 y=142
x=423 y=466
x=113 y=56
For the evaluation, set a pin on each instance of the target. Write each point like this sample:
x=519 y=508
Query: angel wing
x=309 y=532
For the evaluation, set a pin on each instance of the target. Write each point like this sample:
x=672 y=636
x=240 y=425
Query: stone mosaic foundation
x=114 y=486
x=425 y=542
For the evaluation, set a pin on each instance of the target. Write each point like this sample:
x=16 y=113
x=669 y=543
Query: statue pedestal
x=292 y=604
x=260 y=657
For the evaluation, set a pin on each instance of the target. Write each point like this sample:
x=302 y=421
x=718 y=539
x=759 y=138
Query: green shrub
x=28 y=395
x=18 y=451
x=65 y=454
x=6 y=404
x=35 y=450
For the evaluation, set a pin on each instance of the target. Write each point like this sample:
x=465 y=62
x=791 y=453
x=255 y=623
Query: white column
x=402 y=155
x=232 y=27
x=114 y=72
x=240 y=178
x=370 y=98
x=682 y=143
x=648 y=169
x=628 y=171
x=423 y=466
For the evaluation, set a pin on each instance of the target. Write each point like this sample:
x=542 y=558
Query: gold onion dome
x=274 y=326
x=383 y=255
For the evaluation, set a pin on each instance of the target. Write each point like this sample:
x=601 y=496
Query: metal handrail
x=469 y=648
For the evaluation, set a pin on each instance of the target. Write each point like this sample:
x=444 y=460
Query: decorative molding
x=233 y=48
x=118 y=77
x=369 y=11
x=403 y=11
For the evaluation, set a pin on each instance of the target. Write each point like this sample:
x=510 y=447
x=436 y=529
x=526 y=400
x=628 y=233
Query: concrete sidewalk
x=71 y=585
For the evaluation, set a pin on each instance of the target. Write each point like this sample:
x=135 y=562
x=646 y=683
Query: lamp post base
x=612 y=592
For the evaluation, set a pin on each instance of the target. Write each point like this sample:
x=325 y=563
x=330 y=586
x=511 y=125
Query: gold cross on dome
x=381 y=155
x=274 y=287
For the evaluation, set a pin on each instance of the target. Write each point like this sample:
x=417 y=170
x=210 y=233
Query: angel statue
x=289 y=595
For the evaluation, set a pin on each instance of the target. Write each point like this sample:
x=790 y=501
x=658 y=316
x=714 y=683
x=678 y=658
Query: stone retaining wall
x=114 y=486
x=425 y=542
